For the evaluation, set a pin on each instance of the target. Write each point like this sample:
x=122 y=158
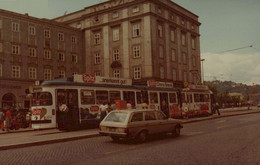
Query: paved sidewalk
x=29 y=137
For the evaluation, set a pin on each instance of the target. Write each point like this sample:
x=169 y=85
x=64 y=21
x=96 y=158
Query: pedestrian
x=63 y=114
x=103 y=110
x=144 y=105
x=2 y=119
x=217 y=108
x=8 y=118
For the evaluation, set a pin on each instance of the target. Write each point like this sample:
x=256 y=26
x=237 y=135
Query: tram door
x=164 y=103
x=70 y=98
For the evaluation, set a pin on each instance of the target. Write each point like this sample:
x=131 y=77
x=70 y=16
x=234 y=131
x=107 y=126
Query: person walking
x=103 y=110
x=217 y=108
x=2 y=119
x=8 y=119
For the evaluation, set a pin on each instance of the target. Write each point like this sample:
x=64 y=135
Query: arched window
x=8 y=99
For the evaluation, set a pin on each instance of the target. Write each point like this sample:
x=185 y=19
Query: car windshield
x=116 y=117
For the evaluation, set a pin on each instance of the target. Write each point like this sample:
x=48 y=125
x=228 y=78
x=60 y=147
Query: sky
x=230 y=32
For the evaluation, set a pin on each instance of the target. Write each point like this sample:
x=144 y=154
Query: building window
x=61 y=56
x=47 y=74
x=62 y=74
x=73 y=39
x=180 y=75
x=137 y=72
x=97 y=73
x=74 y=73
x=96 y=19
x=184 y=56
x=115 y=34
x=136 y=51
x=47 y=54
x=32 y=73
x=192 y=27
x=136 y=30
x=15 y=49
x=32 y=52
x=161 y=51
x=15 y=27
x=159 y=10
x=1 y=24
x=193 y=44
x=61 y=36
x=194 y=63
x=183 y=21
x=116 y=73
x=116 y=55
x=160 y=30
x=174 y=75
x=16 y=71
x=97 y=38
x=1 y=70
x=185 y=76
x=97 y=58
x=31 y=30
x=47 y=33
x=47 y=43
x=74 y=58
x=115 y=15
x=173 y=35
x=173 y=55
x=183 y=39
x=135 y=9
x=161 y=72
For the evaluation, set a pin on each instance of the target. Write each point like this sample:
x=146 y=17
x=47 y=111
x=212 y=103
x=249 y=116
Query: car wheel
x=176 y=131
x=142 y=137
x=115 y=139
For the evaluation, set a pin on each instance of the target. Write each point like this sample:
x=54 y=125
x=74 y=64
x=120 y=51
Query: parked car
x=138 y=124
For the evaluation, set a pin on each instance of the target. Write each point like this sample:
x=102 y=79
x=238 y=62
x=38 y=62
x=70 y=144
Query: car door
x=151 y=123
x=136 y=123
x=164 y=123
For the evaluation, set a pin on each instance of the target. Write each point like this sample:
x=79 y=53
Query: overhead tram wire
x=250 y=46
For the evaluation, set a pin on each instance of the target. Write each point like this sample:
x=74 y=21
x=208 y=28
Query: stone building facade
x=140 y=39
x=35 y=49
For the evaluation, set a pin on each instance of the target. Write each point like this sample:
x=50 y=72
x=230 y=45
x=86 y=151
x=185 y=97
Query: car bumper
x=114 y=134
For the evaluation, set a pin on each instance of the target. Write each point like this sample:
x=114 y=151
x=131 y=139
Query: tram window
x=201 y=97
x=173 y=98
x=206 y=98
x=87 y=97
x=129 y=95
x=138 y=97
x=183 y=98
x=196 y=98
x=153 y=98
x=102 y=97
x=114 y=95
x=42 y=98
x=190 y=97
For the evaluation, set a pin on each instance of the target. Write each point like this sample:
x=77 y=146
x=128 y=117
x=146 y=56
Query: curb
x=44 y=142
x=217 y=117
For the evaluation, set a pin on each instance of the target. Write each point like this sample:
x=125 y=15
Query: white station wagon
x=138 y=124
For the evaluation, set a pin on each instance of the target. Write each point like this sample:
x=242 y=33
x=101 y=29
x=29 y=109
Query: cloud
x=241 y=68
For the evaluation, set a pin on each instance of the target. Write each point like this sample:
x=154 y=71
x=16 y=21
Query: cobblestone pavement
x=233 y=140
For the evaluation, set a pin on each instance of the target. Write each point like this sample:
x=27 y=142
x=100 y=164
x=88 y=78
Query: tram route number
x=37 y=111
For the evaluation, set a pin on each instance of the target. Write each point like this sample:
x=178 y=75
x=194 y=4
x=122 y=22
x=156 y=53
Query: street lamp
x=202 y=71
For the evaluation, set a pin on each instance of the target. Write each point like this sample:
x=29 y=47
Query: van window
x=149 y=116
x=137 y=117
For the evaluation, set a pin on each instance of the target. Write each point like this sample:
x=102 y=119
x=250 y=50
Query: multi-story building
x=35 y=49
x=140 y=39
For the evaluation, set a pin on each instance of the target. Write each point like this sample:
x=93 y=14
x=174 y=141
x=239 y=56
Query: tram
x=83 y=95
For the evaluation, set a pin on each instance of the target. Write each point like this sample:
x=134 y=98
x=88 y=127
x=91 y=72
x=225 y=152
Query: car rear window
x=116 y=117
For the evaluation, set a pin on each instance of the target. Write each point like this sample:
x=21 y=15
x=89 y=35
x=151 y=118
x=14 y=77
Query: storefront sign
x=158 y=84
x=90 y=78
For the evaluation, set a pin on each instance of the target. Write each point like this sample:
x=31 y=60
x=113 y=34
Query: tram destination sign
x=90 y=78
